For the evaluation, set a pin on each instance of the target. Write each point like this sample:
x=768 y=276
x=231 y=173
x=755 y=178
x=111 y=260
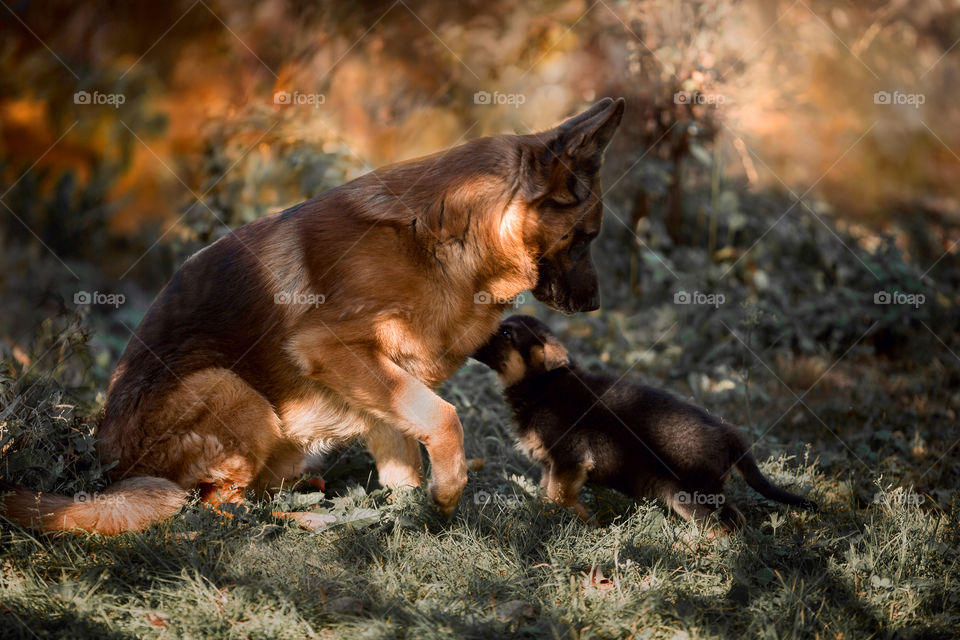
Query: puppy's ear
x=551 y=355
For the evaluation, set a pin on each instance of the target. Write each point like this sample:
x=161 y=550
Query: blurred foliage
x=48 y=412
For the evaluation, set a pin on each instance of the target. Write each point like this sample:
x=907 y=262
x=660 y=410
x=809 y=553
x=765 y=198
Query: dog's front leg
x=372 y=382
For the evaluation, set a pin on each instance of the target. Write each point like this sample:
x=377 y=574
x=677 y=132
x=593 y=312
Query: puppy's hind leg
x=731 y=518
x=696 y=507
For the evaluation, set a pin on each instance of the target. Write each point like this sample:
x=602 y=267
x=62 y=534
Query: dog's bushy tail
x=129 y=505
x=748 y=468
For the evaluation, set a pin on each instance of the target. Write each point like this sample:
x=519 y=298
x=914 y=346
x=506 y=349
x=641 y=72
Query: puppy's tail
x=129 y=505
x=748 y=468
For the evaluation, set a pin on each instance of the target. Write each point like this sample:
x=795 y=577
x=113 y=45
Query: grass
x=869 y=436
x=885 y=569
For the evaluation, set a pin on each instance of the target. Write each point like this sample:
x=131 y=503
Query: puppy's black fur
x=586 y=427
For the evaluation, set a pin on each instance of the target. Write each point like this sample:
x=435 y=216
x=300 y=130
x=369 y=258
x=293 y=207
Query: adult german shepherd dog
x=337 y=318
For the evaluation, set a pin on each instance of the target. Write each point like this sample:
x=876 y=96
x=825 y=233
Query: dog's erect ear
x=588 y=134
x=552 y=355
x=576 y=143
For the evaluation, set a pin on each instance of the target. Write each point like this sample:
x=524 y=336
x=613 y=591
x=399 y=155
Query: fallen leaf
x=157 y=619
x=597 y=580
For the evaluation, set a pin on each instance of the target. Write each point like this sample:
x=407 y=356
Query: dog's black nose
x=591 y=304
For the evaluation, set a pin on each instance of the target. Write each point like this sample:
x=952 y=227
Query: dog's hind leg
x=399 y=463
x=220 y=437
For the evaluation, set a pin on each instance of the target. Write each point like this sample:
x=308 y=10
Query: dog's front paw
x=446 y=493
x=445 y=501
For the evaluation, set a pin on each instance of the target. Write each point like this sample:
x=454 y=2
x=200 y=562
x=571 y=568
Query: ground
x=847 y=401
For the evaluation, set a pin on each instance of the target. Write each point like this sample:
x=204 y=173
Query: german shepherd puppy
x=586 y=427
x=338 y=318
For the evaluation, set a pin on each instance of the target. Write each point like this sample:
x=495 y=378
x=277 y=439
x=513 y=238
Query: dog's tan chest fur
x=318 y=419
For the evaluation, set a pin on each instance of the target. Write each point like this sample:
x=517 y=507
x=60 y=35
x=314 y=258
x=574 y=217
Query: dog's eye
x=552 y=203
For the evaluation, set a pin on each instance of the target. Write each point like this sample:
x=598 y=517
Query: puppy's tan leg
x=372 y=382
x=399 y=463
x=689 y=506
x=731 y=518
x=563 y=487
x=545 y=480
